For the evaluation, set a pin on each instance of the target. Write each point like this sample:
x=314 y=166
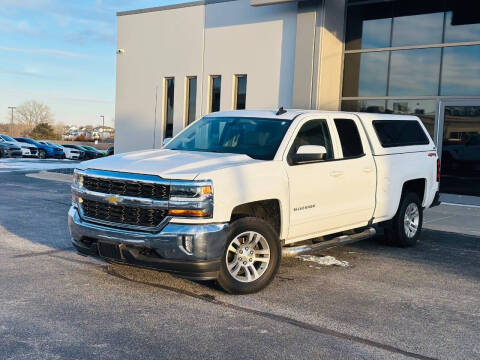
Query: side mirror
x=166 y=141
x=309 y=153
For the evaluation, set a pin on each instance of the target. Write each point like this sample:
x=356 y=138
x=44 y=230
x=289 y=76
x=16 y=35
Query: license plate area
x=108 y=250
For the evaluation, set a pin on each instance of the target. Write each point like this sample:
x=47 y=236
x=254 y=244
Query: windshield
x=256 y=137
x=8 y=138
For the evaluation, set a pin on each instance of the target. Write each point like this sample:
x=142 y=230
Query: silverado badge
x=113 y=199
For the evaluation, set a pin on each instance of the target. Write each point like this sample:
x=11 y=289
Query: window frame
x=187 y=100
x=165 y=106
x=235 y=90
x=210 y=93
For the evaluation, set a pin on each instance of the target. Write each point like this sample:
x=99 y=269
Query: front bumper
x=163 y=251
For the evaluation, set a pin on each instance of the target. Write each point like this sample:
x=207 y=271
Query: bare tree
x=31 y=113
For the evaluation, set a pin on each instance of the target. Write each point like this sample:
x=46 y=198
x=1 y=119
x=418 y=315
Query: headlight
x=77 y=179
x=191 y=199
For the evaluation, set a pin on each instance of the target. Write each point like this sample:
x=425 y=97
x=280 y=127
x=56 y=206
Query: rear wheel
x=251 y=257
x=42 y=154
x=406 y=226
x=1 y=153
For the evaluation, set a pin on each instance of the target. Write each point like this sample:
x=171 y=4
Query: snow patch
x=13 y=165
x=323 y=260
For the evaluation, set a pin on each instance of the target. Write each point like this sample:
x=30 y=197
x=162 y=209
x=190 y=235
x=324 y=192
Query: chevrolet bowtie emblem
x=112 y=199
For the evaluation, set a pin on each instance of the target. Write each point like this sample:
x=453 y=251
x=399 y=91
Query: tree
x=44 y=131
x=32 y=113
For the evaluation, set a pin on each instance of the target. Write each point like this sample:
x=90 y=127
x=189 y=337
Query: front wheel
x=251 y=257
x=407 y=224
x=42 y=154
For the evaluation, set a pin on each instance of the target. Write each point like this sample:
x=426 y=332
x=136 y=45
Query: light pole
x=103 y=125
x=11 y=121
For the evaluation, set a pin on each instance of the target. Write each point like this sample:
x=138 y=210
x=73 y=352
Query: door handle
x=336 y=173
x=367 y=170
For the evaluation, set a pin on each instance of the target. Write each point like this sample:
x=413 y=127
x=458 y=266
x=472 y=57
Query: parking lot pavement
x=421 y=302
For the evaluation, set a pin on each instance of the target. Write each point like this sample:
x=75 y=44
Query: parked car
x=91 y=148
x=462 y=157
x=234 y=192
x=28 y=150
x=44 y=151
x=88 y=154
x=8 y=149
x=110 y=151
x=73 y=154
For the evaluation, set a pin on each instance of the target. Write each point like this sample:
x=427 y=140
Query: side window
x=313 y=132
x=349 y=138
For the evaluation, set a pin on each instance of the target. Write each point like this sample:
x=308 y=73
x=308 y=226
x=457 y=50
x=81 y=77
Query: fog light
x=187 y=243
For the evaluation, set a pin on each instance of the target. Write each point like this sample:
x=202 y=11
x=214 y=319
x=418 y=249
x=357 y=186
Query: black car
x=88 y=153
x=9 y=150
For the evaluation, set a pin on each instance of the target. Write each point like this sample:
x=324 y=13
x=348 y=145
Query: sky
x=62 y=53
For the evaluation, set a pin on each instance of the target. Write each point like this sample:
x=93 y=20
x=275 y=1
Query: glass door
x=458 y=140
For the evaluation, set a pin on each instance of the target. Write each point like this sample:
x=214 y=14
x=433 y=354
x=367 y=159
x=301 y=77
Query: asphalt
x=422 y=302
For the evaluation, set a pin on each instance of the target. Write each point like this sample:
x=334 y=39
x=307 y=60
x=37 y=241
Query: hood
x=168 y=164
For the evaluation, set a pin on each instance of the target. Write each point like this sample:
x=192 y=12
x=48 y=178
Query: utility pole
x=11 y=121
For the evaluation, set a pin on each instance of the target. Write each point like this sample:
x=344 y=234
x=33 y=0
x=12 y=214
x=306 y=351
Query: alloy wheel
x=248 y=256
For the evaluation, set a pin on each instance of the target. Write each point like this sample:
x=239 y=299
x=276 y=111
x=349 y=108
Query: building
x=178 y=63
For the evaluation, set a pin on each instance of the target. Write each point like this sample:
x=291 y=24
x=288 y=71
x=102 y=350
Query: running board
x=338 y=241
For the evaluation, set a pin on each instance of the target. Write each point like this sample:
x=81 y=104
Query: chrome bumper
x=208 y=239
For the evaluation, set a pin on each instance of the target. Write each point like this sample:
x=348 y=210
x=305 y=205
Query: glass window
x=370 y=106
x=417 y=22
x=365 y=74
x=461 y=71
x=460 y=170
x=349 y=138
x=191 y=99
x=215 y=88
x=256 y=137
x=424 y=109
x=169 y=97
x=368 y=26
x=392 y=133
x=414 y=72
x=313 y=132
x=240 y=92
x=462 y=22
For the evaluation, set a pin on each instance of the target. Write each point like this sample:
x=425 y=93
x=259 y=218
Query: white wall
x=238 y=38
x=157 y=45
x=257 y=41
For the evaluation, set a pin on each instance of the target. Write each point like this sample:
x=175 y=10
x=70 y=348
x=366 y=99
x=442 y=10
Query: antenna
x=281 y=111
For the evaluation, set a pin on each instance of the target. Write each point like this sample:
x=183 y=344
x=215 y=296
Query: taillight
x=438 y=170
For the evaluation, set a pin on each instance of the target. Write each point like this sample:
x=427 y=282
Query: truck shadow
x=446 y=251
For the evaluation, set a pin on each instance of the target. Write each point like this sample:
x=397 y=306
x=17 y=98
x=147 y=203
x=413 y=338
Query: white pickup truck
x=234 y=191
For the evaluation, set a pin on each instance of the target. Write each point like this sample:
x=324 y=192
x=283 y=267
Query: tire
x=406 y=226
x=42 y=154
x=1 y=153
x=241 y=278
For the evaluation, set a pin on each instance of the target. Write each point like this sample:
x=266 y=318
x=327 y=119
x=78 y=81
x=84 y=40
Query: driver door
x=314 y=186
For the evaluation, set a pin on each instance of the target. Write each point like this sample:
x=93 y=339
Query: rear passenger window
x=349 y=138
x=393 y=133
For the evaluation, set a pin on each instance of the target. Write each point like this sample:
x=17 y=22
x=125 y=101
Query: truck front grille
x=125 y=215
x=127 y=188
